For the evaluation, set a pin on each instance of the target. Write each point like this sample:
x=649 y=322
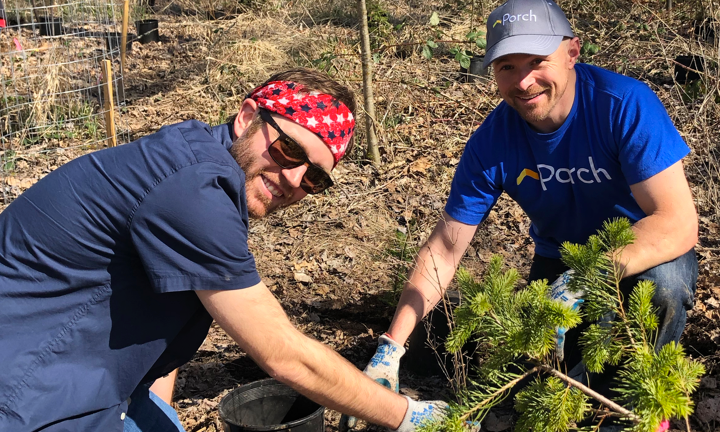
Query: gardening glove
x=560 y=291
x=383 y=369
x=419 y=412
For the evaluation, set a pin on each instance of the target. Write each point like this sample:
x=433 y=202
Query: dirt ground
x=335 y=261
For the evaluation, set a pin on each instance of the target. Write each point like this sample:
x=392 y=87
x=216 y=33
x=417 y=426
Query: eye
x=536 y=61
x=506 y=67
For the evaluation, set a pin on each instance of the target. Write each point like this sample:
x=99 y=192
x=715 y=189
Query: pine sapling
x=515 y=329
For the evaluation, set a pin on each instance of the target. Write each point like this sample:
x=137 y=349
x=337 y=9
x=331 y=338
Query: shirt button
x=122 y=416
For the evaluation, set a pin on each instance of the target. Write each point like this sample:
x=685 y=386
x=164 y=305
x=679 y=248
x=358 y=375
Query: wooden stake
x=123 y=38
x=108 y=104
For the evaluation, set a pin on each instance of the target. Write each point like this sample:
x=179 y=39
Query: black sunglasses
x=287 y=153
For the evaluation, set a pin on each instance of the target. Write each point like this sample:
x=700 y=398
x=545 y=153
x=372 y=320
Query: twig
x=590 y=392
x=501 y=390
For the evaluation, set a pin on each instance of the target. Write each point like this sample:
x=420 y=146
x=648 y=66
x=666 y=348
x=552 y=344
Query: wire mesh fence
x=51 y=54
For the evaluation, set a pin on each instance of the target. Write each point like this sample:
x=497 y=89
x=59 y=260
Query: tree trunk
x=369 y=101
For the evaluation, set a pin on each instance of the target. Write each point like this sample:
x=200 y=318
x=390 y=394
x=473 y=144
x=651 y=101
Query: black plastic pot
x=147 y=31
x=475 y=72
x=426 y=355
x=113 y=40
x=683 y=74
x=268 y=405
x=50 y=26
x=705 y=29
x=215 y=14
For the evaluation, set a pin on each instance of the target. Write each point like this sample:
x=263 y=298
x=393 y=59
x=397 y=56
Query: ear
x=245 y=116
x=573 y=50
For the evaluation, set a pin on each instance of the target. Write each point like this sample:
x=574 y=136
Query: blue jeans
x=148 y=413
x=675 y=283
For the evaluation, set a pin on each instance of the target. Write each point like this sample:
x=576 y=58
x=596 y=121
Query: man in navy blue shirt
x=113 y=267
x=574 y=145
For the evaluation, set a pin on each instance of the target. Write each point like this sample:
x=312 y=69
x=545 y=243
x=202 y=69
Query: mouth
x=272 y=188
x=530 y=98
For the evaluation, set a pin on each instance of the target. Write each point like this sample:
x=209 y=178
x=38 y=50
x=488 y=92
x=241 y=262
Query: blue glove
x=559 y=291
x=383 y=369
x=419 y=412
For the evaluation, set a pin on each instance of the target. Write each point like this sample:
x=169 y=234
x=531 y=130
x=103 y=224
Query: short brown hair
x=321 y=82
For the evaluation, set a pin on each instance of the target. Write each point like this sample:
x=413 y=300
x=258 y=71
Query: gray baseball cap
x=525 y=27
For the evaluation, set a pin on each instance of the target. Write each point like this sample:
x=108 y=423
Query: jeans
x=675 y=283
x=148 y=413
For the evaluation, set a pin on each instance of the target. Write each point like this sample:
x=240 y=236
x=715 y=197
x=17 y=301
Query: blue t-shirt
x=569 y=181
x=99 y=262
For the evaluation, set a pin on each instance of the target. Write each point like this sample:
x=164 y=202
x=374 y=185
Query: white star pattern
x=350 y=116
x=283 y=101
x=341 y=118
x=312 y=122
x=271 y=86
x=334 y=149
x=327 y=121
x=298 y=96
x=269 y=102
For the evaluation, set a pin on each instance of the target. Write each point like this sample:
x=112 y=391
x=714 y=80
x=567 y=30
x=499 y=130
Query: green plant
x=516 y=328
x=588 y=49
x=462 y=55
x=8 y=161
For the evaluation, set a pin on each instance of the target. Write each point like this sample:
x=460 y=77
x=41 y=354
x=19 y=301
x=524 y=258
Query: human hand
x=419 y=412
x=383 y=369
x=560 y=292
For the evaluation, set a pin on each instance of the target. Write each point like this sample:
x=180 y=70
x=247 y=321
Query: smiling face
x=268 y=186
x=540 y=88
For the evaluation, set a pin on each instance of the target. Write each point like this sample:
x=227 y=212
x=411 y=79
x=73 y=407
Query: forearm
x=658 y=239
x=431 y=274
x=257 y=322
x=327 y=378
x=671 y=226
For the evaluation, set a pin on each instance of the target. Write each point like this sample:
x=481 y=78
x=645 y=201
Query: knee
x=674 y=283
x=671 y=298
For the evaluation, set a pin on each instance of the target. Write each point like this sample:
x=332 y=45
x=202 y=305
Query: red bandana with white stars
x=326 y=116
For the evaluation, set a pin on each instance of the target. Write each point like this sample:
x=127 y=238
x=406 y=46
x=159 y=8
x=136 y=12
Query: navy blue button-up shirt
x=98 y=264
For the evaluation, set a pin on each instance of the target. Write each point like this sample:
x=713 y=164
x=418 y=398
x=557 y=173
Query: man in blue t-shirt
x=113 y=267
x=574 y=145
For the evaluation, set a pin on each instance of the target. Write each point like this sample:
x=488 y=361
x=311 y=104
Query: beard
x=258 y=204
x=538 y=113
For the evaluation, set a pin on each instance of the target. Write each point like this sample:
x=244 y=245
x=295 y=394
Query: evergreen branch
x=590 y=392
x=499 y=391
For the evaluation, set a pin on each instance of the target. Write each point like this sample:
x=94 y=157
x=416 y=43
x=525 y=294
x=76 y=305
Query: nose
x=526 y=80
x=294 y=175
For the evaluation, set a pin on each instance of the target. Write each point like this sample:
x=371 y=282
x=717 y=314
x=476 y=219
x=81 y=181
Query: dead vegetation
x=335 y=260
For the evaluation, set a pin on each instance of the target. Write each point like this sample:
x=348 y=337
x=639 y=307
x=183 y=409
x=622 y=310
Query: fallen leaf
x=302 y=278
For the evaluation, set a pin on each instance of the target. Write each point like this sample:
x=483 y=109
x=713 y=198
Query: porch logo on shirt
x=546 y=173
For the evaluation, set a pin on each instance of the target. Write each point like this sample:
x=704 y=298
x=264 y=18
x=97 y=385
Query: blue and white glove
x=560 y=291
x=419 y=412
x=383 y=369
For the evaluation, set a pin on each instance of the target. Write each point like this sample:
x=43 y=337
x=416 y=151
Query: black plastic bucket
x=268 y=405
x=426 y=354
x=50 y=26
x=113 y=40
x=683 y=74
x=475 y=72
x=147 y=31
